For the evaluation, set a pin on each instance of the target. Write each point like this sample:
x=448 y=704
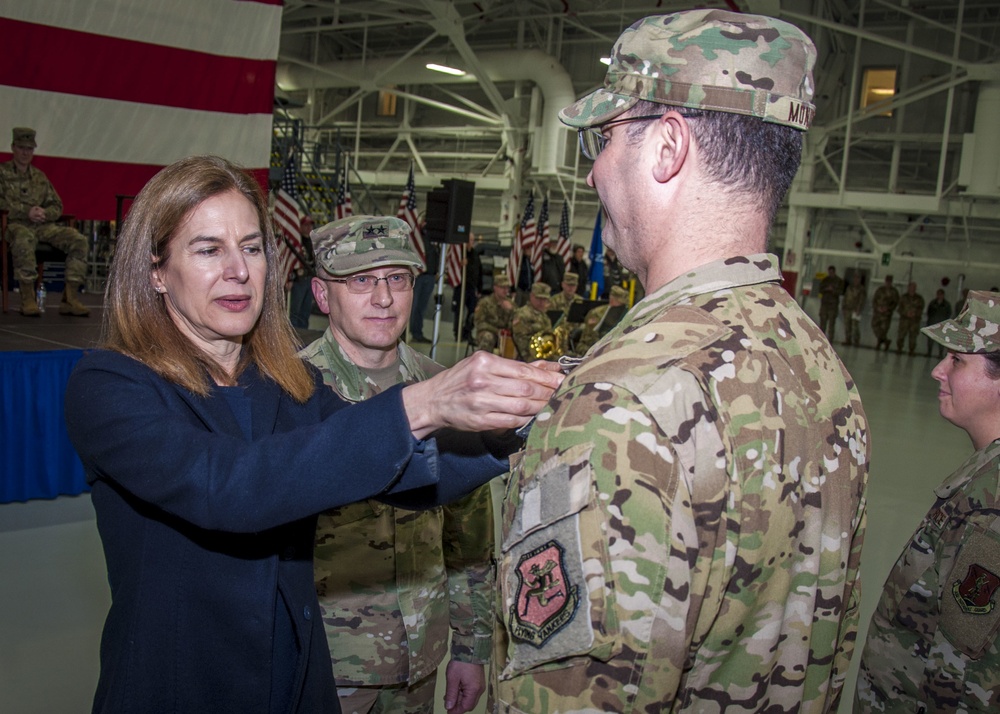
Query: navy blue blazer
x=208 y=536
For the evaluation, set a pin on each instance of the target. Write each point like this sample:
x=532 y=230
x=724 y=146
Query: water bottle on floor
x=40 y=297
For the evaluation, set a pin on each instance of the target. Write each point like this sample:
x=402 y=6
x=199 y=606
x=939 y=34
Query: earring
x=161 y=290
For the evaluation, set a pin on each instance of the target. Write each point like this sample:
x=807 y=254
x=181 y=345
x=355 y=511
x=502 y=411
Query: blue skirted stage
x=36 y=458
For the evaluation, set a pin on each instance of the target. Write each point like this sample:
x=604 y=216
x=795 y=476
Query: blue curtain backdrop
x=36 y=459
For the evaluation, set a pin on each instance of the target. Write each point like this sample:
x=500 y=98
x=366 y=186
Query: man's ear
x=672 y=144
x=319 y=292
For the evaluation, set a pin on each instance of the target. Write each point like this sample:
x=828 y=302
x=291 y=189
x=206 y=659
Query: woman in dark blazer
x=209 y=446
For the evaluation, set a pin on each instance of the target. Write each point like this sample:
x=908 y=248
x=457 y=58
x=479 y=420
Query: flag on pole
x=288 y=215
x=343 y=208
x=524 y=242
x=597 y=259
x=454 y=258
x=408 y=212
x=541 y=240
x=564 y=247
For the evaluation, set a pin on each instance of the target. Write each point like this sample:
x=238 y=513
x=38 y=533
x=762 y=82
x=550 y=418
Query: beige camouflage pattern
x=19 y=193
x=854 y=302
x=684 y=529
x=489 y=318
x=356 y=243
x=707 y=59
x=976 y=328
x=911 y=312
x=391 y=582
x=933 y=644
x=527 y=321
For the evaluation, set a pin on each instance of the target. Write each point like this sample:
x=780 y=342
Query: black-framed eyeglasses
x=360 y=284
x=593 y=141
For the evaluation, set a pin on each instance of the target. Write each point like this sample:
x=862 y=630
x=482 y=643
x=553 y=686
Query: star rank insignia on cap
x=544 y=601
x=374 y=231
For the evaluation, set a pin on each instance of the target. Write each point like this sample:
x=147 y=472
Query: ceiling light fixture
x=445 y=69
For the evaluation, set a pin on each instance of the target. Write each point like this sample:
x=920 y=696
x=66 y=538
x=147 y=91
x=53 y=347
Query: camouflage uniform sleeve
x=467 y=541
x=605 y=504
x=51 y=201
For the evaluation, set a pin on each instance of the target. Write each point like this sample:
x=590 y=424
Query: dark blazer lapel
x=265 y=398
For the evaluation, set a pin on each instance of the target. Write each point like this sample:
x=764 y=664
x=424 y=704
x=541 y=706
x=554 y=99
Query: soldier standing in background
x=683 y=531
x=393 y=582
x=854 y=303
x=493 y=313
x=938 y=310
x=33 y=208
x=830 y=289
x=911 y=310
x=531 y=318
x=884 y=303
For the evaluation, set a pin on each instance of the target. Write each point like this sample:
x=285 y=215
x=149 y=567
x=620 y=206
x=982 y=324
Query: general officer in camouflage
x=884 y=303
x=684 y=528
x=392 y=583
x=911 y=312
x=530 y=319
x=597 y=323
x=493 y=314
x=854 y=303
x=934 y=640
x=33 y=208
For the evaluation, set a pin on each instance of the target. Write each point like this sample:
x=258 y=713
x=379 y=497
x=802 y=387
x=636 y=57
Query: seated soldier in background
x=493 y=313
x=530 y=319
x=391 y=582
x=568 y=296
x=33 y=208
x=600 y=320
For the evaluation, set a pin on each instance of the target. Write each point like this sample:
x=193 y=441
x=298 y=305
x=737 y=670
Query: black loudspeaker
x=449 y=212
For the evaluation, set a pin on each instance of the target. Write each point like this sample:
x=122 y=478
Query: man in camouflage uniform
x=493 y=314
x=530 y=319
x=568 y=297
x=911 y=312
x=938 y=310
x=830 y=289
x=933 y=644
x=392 y=582
x=33 y=208
x=596 y=324
x=854 y=303
x=683 y=531
x=884 y=303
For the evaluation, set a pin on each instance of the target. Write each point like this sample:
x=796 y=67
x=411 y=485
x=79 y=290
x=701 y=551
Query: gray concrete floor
x=53 y=592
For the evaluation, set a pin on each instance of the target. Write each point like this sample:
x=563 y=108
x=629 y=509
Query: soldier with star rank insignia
x=393 y=583
x=934 y=640
x=683 y=531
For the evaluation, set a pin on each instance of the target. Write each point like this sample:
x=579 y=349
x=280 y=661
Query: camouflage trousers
x=486 y=340
x=24 y=239
x=852 y=329
x=828 y=321
x=908 y=328
x=417 y=698
x=880 y=326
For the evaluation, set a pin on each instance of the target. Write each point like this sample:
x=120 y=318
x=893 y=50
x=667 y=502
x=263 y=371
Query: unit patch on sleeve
x=545 y=599
x=970 y=617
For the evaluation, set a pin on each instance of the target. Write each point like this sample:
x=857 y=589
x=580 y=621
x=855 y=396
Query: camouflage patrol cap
x=619 y=293
x=571 y=279
x=501 y=280
x=707 y=59
x=358 y=243
x=23 y=136
x=975 y=329
x=541 y=290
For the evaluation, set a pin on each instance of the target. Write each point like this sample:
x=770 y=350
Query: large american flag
x=408 y=212
x=541 y=240
x=288 y=215
x=108 y=86
x=343 y=207
x=524 y=241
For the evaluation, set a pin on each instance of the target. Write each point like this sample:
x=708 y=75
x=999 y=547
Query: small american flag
x=408 y=212
x=288 y=215
x=343 y=208
x=524 y=241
